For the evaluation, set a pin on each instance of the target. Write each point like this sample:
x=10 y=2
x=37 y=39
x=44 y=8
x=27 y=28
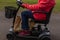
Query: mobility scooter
x=36 y=32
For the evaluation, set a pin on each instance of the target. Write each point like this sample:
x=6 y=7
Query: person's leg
x=25 y=16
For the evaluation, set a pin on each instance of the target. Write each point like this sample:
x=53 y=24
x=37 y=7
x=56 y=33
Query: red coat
x=45 y=5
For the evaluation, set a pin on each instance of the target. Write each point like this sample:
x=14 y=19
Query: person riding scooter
x=33 y=12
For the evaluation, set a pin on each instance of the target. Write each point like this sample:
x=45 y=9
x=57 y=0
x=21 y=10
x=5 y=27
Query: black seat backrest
x=48 y=15
x=47 y=18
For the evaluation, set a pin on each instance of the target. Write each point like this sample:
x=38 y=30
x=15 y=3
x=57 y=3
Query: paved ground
x=54 y=26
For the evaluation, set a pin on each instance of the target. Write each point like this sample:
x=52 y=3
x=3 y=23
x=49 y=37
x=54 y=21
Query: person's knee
x=25 y=12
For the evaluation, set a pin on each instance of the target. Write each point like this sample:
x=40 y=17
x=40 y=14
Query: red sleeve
x=41 y=5
x=31 y=7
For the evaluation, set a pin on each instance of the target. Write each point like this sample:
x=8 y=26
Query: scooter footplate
x=26 y=38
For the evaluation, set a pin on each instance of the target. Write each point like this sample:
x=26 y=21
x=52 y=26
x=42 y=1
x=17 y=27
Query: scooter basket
x=10 y=11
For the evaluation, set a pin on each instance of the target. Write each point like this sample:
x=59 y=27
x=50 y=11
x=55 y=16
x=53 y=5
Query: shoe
x=24 y=33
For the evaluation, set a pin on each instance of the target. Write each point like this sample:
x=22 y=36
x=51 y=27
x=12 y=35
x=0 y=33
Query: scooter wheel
x=10 y=37
x=45 y=38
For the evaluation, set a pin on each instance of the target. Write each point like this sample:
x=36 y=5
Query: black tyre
x=10 y=37
x=46 y=38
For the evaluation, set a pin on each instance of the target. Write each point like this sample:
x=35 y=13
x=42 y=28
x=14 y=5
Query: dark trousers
x=25 y=16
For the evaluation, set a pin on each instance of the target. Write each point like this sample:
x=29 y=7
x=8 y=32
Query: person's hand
x=19 y=3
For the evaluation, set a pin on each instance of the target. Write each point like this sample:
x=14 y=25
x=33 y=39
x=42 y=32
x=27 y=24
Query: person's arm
x=31 y=7
x=41 y=5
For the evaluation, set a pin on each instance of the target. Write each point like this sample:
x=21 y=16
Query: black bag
x=10 y=11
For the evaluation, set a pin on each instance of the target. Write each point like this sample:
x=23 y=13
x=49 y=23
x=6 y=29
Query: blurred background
x=4 y=3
